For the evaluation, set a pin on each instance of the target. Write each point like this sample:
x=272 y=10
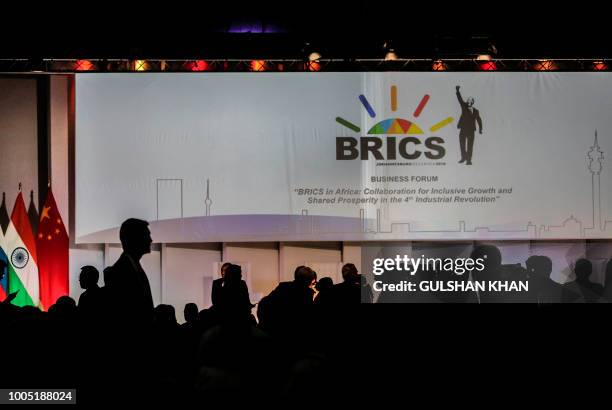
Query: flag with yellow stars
x=52 y=248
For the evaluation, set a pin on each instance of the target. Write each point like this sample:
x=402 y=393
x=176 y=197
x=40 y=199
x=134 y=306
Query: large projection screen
x=344 y=156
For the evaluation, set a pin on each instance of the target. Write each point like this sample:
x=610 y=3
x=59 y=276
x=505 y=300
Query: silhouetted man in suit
x=288 y=307
x=541 y=287
x=217 y=285
x=127 y=284
x=582 y=290
x=348 y=292
x=233 y=298
x=470 y=116
x=90 y=302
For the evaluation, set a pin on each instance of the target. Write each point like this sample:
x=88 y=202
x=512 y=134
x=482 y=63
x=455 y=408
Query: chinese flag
x=52 y=249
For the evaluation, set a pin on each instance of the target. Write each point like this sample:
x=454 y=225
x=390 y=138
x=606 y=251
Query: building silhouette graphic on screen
x=570 y=227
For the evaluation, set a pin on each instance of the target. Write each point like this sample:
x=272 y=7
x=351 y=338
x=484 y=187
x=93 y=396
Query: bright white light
x=314 y=56
x=390 y=56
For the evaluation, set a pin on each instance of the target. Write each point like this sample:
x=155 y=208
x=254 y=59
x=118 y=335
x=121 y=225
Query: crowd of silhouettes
x=115 y=339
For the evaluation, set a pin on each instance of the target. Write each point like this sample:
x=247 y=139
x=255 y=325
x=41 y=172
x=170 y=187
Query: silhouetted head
x=538 y=266
x=164 y=314
x=470 y=101
x=191 y=312
x=30 y=313
x=224 y=268
x=65 y=308
x=105 y=274
x=304 y=276
x=89 y=277
x=583 y=269
x=66 y=301
x=233 y=273
x=135 y=237
x=350 y=273
x=324 y=284
x=490 y=255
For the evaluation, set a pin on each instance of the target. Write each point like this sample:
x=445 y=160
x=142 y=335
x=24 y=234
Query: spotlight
x=545 y=65
x=390 y=56
x=197 y=65
x=84 y=65
x=487 y=65
x=314 y=56
x=483 y=57
x=141 y=65
x=258 y=65
x=600 y=65
x=389 y=51
x=310 y=53
x=313 y=66
x=439 y=65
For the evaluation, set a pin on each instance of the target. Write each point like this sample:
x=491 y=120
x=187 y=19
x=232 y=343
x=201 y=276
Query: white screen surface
x=232 y=156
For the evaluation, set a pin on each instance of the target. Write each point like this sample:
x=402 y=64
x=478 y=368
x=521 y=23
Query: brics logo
x=404 y=138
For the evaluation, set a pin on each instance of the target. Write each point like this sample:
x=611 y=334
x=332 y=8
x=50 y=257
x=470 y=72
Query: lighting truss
x=297 y=65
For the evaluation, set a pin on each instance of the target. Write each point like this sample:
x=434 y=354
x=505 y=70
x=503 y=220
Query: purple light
x=256 y=27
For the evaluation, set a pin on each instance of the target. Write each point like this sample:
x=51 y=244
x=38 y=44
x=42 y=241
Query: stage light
x=313 y=66
x=487 y=66
x=314 y=56
x=600 y=66
x=545 y=65
x=198 y=65
x=141 y=65
x=258 y=65
x=483 y=57
x=439 y=65
x=390 y=56
x=84 y=65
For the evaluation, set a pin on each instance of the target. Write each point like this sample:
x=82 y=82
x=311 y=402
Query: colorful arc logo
x=395 y=126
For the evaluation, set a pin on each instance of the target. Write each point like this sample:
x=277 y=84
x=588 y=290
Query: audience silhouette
x=126 y=281
x=287 y=309
x=582 y=290
x=543 y=290
x=90 y=300
x=232 y=293
x=323 y=287
x=217 y=284
x=190 y=313
x=224 y=351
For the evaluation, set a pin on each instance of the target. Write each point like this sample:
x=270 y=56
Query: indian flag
x=20 y=247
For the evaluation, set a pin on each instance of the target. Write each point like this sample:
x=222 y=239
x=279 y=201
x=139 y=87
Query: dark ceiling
x=350 y=31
